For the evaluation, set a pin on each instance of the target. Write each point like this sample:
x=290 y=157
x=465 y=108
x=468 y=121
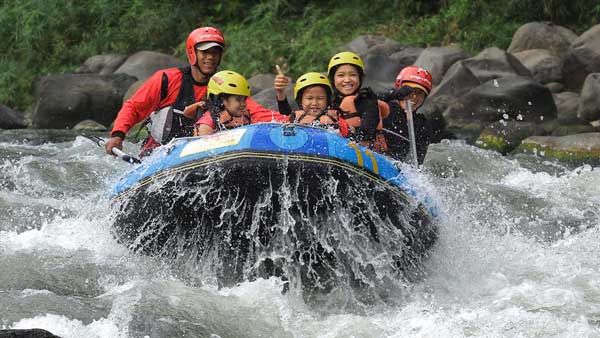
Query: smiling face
x=235 y=105
x=208 y=60
x=314 y=100
x=417 y=97
x=346 y=79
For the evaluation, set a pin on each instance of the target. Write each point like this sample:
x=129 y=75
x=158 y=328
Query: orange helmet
x=202 y=35
x=416 y=77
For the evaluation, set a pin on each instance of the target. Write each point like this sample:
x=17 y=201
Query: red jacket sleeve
x=259 y=113
x=145 y=100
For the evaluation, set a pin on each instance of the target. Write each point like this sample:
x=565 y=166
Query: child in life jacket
x=313 y=93
x=226 y=103
x=361 y=113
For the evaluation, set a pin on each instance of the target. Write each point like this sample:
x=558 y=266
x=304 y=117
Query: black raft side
x=320 y=222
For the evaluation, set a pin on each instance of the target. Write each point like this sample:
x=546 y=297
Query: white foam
x=72 y=328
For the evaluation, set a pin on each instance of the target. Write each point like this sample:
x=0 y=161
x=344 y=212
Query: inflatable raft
x=283 y=200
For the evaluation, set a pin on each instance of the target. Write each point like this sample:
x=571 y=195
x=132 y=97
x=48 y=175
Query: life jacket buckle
x=289 y=129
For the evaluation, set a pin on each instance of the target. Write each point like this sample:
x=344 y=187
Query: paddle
x=411 y=133
x=118 y=152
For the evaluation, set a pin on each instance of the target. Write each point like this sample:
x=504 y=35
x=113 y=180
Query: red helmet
x=416 y=76
x=200 y=35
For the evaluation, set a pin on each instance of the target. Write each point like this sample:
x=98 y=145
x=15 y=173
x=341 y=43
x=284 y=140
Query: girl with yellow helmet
x=313 y=94
x=226 y=103
x=360 y=111
x=346 y=71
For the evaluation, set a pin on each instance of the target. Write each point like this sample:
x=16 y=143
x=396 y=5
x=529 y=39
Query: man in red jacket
x=169 y=92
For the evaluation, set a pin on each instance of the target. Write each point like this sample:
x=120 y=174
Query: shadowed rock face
x=582 y=58
x=10 y=119
x=514 y=98
x=589 y=105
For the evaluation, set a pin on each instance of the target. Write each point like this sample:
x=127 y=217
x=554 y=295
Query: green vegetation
x=47 y=37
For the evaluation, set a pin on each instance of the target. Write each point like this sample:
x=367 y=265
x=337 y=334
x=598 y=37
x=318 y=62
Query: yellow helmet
x=344 y=58
x=228 y=82
x=310 y=79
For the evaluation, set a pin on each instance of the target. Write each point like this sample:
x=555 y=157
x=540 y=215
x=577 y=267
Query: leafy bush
x=45 y=37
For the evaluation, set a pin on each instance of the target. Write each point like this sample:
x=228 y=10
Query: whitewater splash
x=342 y=237
x=516 y=257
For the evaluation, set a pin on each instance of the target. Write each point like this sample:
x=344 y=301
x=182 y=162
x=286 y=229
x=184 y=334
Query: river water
x=517 y=255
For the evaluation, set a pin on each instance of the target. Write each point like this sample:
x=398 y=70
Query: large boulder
x=458 y=81
x=566 y=107
x=492 y=63
x=504 y=136
x=261 y=82
x=542 y=35
x=509 y=98
x=555 y=128
x=268 y=98
x=384 y=68
x=132 y=89
x=577 y=148
x=10 y=119
x=103 y=64
x=361 y=44
x=62 y=101
x=582 y=58
x=407 y=56
x=589 y=105
x=543 y=65
x=145 y=63
x=381 y=68
x=437 y=60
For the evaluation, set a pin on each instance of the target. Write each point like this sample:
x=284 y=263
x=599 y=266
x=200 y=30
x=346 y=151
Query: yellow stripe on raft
x=359 y=156
x=373 y=161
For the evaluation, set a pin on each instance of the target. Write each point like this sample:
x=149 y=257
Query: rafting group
x=197 y=100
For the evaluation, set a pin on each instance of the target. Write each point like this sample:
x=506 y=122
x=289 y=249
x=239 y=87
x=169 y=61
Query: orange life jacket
x=227 y=121
x=352 y=118
x=328 y=117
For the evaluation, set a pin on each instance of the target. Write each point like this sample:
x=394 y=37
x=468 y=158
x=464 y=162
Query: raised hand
x=191 y=111
x=280 y=84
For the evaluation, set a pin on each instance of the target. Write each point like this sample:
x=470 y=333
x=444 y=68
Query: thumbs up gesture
x=281 y=82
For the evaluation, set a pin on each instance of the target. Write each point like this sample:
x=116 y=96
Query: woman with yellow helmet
x=226 y=103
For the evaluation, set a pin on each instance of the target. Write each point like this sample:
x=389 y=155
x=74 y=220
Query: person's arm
x=145 y=100
x=259 y=113
x=203 y=129
x=204 y=123
x=284 y=107
x=395 y=94
x=135 y=110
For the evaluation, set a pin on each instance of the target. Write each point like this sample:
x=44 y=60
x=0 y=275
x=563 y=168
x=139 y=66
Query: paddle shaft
x=411 y=133
x=118 y=152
